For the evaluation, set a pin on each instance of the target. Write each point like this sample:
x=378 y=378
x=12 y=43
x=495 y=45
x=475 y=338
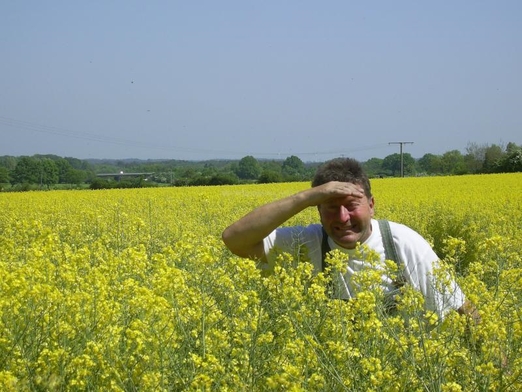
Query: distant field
x=133 y=289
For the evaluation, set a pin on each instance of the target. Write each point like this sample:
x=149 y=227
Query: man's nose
x=344 y=214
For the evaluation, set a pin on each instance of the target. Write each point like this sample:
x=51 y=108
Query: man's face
x=347 y=220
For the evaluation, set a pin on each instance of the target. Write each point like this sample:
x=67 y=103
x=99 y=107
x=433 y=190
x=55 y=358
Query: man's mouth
x=345 y=229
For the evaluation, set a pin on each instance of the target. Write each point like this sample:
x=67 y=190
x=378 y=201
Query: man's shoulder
x=406 y=237
x=290 y=237
x=398 y=228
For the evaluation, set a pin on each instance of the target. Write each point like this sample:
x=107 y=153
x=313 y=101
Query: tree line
x=53 y=172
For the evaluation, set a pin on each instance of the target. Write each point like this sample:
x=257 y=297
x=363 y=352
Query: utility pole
x=402 y=161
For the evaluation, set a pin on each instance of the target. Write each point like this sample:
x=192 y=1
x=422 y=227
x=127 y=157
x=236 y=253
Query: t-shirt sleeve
x=421 y=262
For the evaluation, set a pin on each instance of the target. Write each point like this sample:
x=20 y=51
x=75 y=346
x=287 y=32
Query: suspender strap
x=390 y=252
x=325 y=248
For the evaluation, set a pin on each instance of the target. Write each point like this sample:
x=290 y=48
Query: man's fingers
x=349 y=189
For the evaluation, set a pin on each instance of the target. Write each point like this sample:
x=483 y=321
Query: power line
x=41 y=128
x=91 y=136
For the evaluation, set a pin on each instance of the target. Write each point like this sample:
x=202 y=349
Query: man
x=342 y=194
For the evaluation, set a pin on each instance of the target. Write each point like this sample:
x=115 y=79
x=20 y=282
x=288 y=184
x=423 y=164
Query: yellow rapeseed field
x=127 y=290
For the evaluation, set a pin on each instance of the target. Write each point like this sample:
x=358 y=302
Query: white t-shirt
x=415 y=252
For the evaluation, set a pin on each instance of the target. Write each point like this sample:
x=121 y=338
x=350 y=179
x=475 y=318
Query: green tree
x=453 y=163
x=493 y=158
x=430 y=163
x=475 y=156
x=373 y=167
x=293 y=169
x=512 y=162
x=512 y=147
x=49 y=173
x=223 y=178
x=63 y=167
x=209 y=170
x=392 y=163
x=78 y=164
x=35 y=170
x=271 y=165
x=75 y=176
x=27 y=171
x=269 y=176
x=4 y=175
x=8 y=162
x=248 y=168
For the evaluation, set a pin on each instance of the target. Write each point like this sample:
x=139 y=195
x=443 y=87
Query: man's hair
x=344 y=170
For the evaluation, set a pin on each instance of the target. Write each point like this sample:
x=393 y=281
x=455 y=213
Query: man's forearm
x=245 y=236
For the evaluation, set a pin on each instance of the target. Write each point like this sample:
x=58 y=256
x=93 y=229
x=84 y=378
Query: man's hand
x=471 y=311
x=333 y=190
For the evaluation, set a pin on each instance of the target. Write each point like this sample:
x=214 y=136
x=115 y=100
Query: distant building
x=120 y=175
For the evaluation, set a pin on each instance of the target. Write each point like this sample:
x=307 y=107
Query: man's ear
x=371 y=203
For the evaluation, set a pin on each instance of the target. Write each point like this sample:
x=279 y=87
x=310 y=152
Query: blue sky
x=226 y=79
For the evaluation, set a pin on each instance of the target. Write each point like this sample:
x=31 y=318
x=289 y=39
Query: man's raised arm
x=245 y=236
